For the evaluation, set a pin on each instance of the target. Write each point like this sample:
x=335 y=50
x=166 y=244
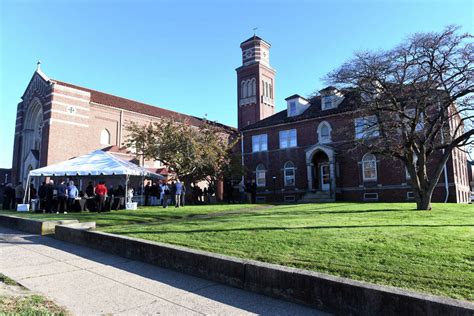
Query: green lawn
x=384 y=243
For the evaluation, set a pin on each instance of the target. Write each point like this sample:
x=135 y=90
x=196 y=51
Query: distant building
x=57 y=121
x=298 y=154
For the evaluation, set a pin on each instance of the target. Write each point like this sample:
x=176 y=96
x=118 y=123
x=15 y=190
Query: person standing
x=166 y=194
x=62 y=197
x=101 y=192
x=19 y=193
x=42 y=196
x=90 y=190
x=9 y=197
x=72 y=194
x=178 y=192
x=242 y=194
x=49 y=196
x=183 y=194
x=172 y=188
x=253 y=192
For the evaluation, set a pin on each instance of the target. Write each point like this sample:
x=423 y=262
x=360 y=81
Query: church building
x=57 y=121
x=301 y=153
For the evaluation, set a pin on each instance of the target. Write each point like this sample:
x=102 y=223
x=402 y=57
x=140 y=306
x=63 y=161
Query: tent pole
x=143 y=191
x=126 y=189
x=27 y=188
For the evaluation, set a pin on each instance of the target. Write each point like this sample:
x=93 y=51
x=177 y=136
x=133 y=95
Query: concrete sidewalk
x=86 y=281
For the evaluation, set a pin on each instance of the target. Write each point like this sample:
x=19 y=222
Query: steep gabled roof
x=138 y=107
x=313 y=111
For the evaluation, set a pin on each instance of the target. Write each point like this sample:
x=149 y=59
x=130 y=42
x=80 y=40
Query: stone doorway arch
x=320 y=163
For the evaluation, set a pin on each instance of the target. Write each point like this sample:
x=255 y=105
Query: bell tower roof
x=252 y=39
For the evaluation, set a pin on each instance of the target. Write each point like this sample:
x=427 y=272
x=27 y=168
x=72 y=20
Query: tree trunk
x=423 y=203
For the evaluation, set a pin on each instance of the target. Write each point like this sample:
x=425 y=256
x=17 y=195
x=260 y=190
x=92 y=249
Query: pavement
x=89 y=282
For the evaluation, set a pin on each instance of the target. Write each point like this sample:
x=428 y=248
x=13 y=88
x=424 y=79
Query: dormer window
x=292 y=109
x=331 y=97
x=296 y=105
x=327 y=102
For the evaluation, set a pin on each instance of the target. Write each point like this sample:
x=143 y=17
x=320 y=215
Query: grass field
x=383 y=243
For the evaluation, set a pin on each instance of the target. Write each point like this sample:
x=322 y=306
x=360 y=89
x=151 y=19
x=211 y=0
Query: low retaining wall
x=325 y=292
x=37 y=227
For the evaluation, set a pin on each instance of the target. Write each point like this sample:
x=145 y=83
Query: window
x=411 y=115
x=369 y=167
x=327 y=103
x=105 y=137
x=324 y=132
x=260 y=175
x=289 y=198
x=415 y=162
x=366 y=127
x=410 y=196
x=253 y=87
x=288 y=138
x=259 y=143
x=289 y=173
x=371 y=196
x=292 y=108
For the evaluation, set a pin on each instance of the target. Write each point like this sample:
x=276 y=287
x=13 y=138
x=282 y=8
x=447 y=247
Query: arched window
x=260 y=175
x=253 y=87
x=242 y=89
x=249 y=89
x=369 y=167
x=289 y=173
x=105 y=137
x=324 y=132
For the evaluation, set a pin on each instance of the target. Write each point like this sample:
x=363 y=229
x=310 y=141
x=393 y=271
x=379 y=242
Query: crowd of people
x=61 y=197
x=165 y=193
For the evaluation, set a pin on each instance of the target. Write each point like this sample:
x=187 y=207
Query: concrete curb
x=325 y=292
x=37 y=227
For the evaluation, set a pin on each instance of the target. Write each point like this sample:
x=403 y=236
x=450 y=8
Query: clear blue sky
x=182 y=56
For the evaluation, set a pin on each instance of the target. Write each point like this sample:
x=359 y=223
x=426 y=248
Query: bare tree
x=417 y=101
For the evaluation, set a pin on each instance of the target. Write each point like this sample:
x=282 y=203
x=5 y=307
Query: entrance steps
x=317 y=197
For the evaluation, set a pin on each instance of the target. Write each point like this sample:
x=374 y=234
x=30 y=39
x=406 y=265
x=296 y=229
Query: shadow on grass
x=285 y=228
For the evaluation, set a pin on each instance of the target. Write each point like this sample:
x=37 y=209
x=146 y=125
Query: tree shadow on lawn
x=287 y=228
x=248 y=301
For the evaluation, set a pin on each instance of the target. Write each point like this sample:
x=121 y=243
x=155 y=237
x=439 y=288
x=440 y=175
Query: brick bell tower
x=255 y=82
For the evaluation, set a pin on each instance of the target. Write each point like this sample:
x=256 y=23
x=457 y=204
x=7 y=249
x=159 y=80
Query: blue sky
x=182 y=55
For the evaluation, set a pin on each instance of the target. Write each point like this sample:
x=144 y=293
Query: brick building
x=57 y=121
x=302 y=153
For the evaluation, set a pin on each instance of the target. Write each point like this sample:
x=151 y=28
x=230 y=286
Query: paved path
x=86 y=281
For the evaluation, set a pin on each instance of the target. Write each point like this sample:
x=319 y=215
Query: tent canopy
x=96 y=163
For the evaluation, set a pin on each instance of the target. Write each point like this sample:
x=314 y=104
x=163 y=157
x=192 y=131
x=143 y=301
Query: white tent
x=96 y=163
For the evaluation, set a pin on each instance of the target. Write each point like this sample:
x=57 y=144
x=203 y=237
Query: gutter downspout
x=242 y=153
x=446 y=185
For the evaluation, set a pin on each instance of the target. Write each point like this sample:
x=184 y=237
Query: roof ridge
x=116 y=96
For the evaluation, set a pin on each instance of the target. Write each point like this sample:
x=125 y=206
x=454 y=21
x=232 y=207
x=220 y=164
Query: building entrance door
x=324 y=175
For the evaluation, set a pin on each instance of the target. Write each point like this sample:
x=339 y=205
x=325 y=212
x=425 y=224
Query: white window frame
x=259 y=143
x=366 y=160
x=327 y=102
x=322 y=139
x=289 y=180
x=105 y=134
x=374 y=198
x=260 y=176
x=288 y=138
x=364 y=130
